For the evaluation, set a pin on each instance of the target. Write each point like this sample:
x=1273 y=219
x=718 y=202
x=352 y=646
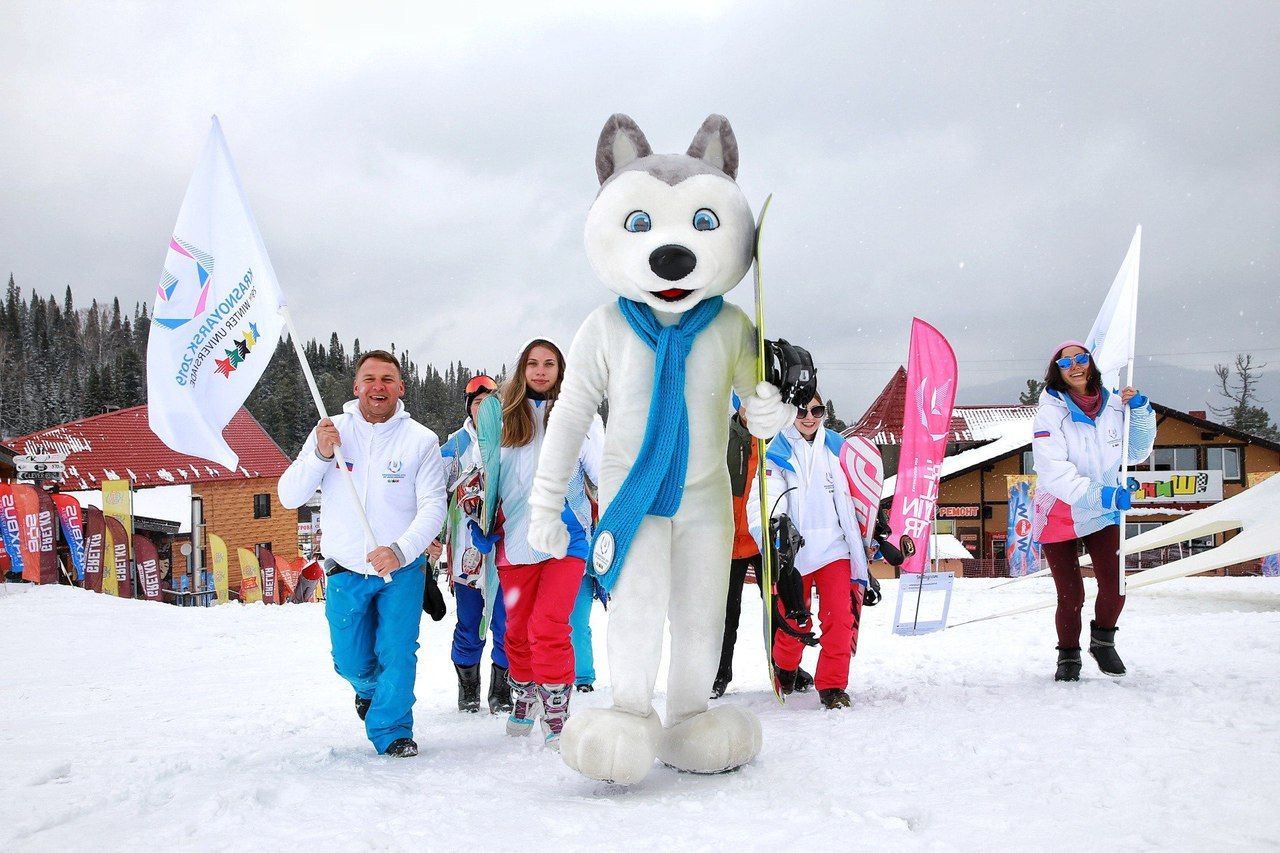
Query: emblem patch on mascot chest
x=602 y=555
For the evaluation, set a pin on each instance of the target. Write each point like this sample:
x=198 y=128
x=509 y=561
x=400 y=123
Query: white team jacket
x=399 y=478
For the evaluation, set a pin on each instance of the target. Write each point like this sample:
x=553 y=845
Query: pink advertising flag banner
x=926 y=424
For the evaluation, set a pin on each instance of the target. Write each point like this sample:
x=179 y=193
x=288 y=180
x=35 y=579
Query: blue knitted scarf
x=655 y=483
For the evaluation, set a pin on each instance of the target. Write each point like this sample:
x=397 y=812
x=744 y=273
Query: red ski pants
x=539 y=598
x=1064 y=564
x=835 y=620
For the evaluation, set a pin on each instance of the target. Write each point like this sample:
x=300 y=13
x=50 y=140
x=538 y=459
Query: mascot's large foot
x=612 y=745
x=724 y=738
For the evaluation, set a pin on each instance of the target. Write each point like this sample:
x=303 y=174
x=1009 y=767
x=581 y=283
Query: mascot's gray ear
x=621 y=142
x=715 y=144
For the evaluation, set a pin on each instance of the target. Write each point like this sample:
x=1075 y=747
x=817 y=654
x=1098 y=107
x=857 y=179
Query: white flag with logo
x=216 y=319
x=1111 y=339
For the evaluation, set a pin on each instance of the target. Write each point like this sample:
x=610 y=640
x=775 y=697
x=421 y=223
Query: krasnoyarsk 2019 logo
x=184 y=287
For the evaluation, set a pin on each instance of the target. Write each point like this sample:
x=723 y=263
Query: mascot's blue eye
x=705 y=220
x=638 y=220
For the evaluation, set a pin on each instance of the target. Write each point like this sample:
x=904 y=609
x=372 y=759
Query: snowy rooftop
x=121 y=444
x=168 y=503
x=1005 y=429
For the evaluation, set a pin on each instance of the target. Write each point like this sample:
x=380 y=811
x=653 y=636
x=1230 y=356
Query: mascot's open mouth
x=671 y=294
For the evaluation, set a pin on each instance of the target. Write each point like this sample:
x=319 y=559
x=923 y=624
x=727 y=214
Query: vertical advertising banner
x=95 y=534
x=267 y=562
x=218 y=557
x=117 y=558
x=926 y=424
x=70 y=517
x=144 y=554
x=1271 y=566
x=36 y=533
x=250 y=576
x=10 y=529
x=110 y=580
x=1021 y=551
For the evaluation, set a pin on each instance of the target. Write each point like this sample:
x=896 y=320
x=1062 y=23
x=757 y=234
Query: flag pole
x=1124 y=439
x=337 y=449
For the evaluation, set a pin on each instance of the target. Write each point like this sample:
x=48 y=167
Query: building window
x=262 y=506
x=1224 y=459
x=1028 y=462
x=1174 y=459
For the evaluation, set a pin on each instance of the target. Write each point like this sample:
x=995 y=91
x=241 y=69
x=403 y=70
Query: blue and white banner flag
x=216 y=319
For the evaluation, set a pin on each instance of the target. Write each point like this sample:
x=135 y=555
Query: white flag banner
x=1111 y=338
x=216 y=319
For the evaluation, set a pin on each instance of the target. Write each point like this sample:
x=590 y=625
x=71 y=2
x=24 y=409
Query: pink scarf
x=1090 y=404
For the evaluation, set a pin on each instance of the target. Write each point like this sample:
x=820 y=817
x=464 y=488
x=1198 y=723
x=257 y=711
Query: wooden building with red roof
x=240 y=506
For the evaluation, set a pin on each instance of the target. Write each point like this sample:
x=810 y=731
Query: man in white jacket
x=374 y=597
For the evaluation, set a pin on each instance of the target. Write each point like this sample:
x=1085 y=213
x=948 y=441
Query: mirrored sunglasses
x=1081 y=358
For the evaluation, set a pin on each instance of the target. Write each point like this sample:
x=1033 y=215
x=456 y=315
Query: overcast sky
x=422 y=177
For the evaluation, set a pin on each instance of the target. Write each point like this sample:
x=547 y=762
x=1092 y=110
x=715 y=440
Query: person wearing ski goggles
x=808 y=484
x=1077 y=447
x=462 y=462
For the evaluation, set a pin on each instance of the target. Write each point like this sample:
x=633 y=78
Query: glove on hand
x=767 y=415
x=484 y=543
x=547 y=532
x=1114 y=497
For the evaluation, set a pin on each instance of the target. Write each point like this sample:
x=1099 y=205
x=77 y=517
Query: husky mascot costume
x=669 y=234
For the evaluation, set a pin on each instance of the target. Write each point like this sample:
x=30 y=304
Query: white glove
x=767 y=415
x=547 y=532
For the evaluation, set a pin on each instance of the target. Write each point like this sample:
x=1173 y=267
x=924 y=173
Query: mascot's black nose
x=672 y=262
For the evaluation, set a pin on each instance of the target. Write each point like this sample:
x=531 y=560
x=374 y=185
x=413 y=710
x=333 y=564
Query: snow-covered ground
x=128 y=725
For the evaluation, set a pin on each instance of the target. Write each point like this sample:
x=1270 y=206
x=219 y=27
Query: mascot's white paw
x=724 y=738
x=767 y=415
x=547 y=532
x=611 y=745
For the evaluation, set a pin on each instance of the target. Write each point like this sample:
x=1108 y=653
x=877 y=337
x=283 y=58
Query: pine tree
x=1243 y=410
x=1031 y=396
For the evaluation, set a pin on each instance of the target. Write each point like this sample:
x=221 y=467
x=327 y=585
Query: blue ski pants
x=584 y=661
x=468 y=645
x=373 y=626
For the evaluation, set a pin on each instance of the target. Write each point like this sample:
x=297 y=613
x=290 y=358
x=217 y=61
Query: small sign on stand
x=923 y=602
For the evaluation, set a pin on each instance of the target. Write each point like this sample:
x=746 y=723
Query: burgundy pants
x=1064 y=563
x=539 y=599
x=835 y=618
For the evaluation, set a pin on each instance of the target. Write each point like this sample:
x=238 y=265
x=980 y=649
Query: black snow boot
x=499 y=691
x=403 y=747
x=1068 y=665
x=1102 y=645
x=786 y=679
x=585 y=687
x=468 y=688
x=833 y=698
x=803 y=680
x=362 y=706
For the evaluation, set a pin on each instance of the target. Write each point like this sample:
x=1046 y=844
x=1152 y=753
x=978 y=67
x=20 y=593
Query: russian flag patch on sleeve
x=1044 y=433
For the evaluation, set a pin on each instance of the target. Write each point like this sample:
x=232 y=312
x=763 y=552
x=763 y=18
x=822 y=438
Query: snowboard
x=864 y=470
x=766 y=558
x=489 y=437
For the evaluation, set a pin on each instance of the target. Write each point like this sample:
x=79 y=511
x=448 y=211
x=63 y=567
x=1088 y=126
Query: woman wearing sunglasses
x=1076 y=445
x=809 y=485
x=462 y=454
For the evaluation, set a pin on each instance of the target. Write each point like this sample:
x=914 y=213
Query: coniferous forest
x=60 y=362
